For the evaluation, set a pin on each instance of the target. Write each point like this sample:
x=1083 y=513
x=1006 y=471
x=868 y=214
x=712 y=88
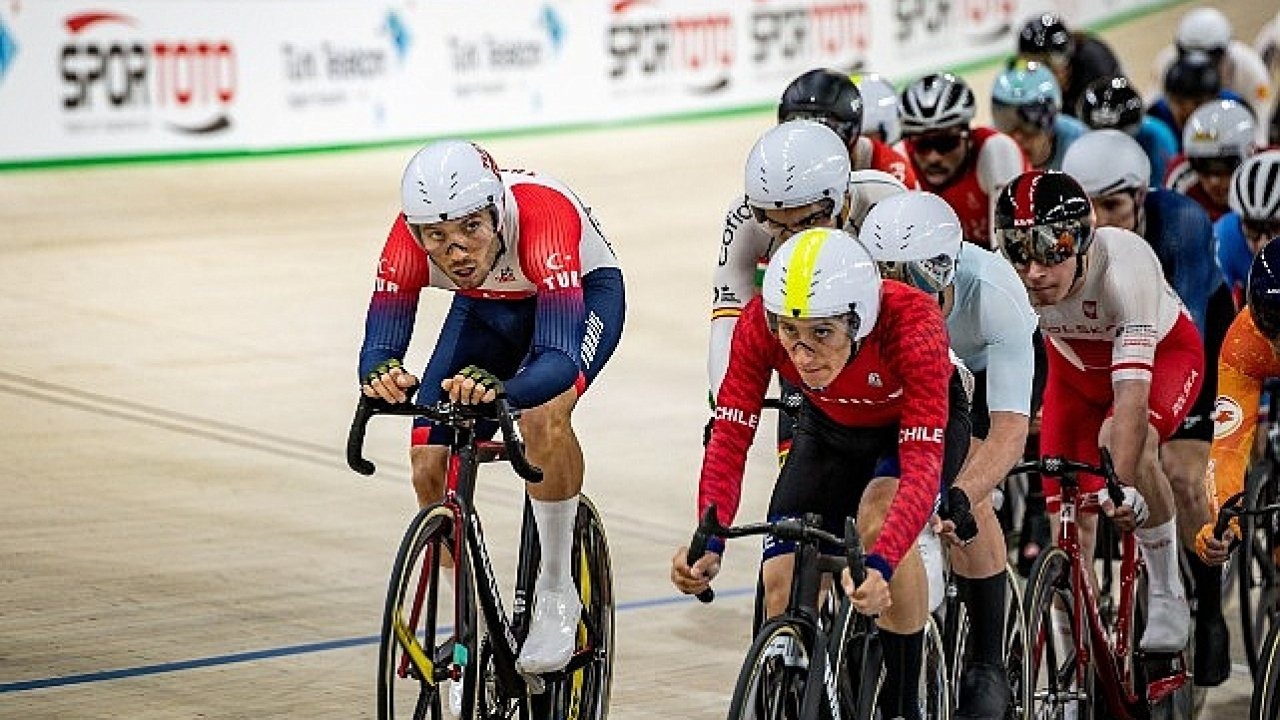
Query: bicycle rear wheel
x=1053 y=686
x=772 y=681
x=1258 y=580
x=583 y=693
x=1265 y=704
x=1015 y=648
x=412 y=660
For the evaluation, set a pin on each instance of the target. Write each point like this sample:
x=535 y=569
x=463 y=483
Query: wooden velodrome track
x=179 y=535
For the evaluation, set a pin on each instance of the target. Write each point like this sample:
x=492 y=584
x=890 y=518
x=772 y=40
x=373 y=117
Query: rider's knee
x=548 y=422
x=873 y=506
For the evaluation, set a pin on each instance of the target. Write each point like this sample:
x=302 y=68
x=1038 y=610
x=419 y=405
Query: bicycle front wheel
x=1054 y=671
x=1265 y=704
x=1256 y=571
x=772 y=681
x=412 y=663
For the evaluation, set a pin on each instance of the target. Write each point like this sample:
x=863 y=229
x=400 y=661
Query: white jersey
x=1119 y=313
x=1243 y=73
x=990 y=324
x=745 y=249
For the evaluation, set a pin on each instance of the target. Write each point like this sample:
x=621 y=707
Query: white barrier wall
x=143 y=77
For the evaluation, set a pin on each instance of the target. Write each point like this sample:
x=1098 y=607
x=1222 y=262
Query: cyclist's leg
x=1035 y=532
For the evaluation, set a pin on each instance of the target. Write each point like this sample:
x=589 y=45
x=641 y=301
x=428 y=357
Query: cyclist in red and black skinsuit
x=883 y=406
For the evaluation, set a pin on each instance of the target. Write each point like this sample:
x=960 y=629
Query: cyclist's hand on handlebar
x=695 y=579
x=1215 y=551
x=473 y=386
x=959 y=528
x=390 y=382
x=872 y=596
x=1132 y=512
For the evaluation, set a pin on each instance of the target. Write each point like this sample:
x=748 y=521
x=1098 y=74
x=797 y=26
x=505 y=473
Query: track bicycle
x=820 y=658
x=1258 y=559
x=418 y=651
x=1081 y=666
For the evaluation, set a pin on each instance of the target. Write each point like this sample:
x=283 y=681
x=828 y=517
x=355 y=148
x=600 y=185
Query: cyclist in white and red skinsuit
x=875 y=375
x=966 y=166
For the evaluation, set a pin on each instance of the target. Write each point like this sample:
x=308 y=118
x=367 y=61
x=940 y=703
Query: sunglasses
x=1261 y=228
x=813 y=219
x=1215 y=165
x=1047 y=245
x=941 y=143
x=932 y=275
x=1032 y=118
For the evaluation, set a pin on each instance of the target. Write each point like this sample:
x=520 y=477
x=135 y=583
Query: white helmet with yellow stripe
x=823 y=273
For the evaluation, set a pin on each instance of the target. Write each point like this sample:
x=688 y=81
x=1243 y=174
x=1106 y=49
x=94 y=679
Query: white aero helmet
x=796 y=163
x=449 y=179
x=1255 y=188
x=820 y=273
x=936 y=102
x=1205 y=29
x=914 y=237
x=1106 y=162
x=1220 y=128
x=870 y=187
x=879 y=107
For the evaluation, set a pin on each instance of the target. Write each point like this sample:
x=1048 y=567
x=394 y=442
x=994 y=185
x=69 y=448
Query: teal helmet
x=1025 y=94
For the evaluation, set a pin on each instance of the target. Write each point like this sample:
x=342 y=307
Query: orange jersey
x=1247 y=359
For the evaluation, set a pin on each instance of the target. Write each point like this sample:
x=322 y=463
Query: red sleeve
x=550 y=236
x=403 y=266
x=888 y=160
x=752 y=357
x=915 y=344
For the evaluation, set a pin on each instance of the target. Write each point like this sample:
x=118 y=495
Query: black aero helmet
x=1264 y=290
x=1043 y=216
x=827 y=96
x=1045 y=34
x=1193 y=75
x=1111 y=103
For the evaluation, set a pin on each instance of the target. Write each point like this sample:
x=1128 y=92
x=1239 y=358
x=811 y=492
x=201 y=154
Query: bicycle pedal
x=536 y=683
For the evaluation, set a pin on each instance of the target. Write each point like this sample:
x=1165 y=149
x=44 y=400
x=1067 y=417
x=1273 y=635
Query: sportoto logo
x=115 y=73
x=798 y=36
x=648 y=45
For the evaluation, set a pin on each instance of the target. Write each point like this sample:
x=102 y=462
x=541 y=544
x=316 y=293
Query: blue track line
x=284 y=651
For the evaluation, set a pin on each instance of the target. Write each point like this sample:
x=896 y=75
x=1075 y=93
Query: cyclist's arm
x=1129 y=426
x=1188 y=240
x=1235 y=414
x=388 y=326
x=753 y=356
x=742 y=242
x=916 y=347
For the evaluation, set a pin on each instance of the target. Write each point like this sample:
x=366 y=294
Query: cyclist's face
x=819 y=348
x=1119 y=209
x=939 y=155
x=782 y=223
x=465 y=249
x=1047 y=284
x=1216 y=185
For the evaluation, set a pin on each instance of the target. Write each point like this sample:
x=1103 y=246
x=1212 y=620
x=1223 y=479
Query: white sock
x=1160 y=550
x=555 y=536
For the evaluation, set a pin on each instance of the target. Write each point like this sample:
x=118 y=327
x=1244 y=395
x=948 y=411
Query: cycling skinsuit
x=897 y=385
x=1234 y=255
x=548 y=316
x=1122 y=322
x=1158 y=142
x=1183 y=179
x=1066 y=130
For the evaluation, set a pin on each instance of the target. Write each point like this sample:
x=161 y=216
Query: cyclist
x=1250 y=355
x=1218 y=137
x=1254 y=218
x=879 y=108
x=1113 y=103
x=1189 y=83
x=537 y=311
x=831 y=98
x=872 y=364
x=1026 y=105
x=1076 y=59
x=1112 y=169
x=965 y=166
x=1125 y=362
x=915 y=238
x=1207 y=30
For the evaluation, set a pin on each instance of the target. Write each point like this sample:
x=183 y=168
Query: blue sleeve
x=1233 y=254
x=1186 y=249
x=1160 y=111
x=552 y=366
x=1160 y=145
x=388 y=328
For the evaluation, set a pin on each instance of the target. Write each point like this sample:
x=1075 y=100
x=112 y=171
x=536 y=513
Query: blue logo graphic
x=554 y=27
x=399 y=32
x=8 y=50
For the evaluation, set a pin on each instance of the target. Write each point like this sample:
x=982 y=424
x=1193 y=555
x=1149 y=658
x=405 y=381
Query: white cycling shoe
x=1168 y=624
x=552 y=631
x=452 y=699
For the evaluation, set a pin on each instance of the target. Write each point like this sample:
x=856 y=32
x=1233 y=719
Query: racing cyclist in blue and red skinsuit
x=872 y=362
x=537 y=310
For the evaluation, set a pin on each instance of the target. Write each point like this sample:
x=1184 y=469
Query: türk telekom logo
x=114 y=71
x=649 y=43
x=795 y=36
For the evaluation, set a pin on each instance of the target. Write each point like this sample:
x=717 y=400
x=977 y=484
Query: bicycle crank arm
x=417 y=656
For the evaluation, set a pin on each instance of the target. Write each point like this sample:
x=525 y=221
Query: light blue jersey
x=990 y=325
x=1066 y=130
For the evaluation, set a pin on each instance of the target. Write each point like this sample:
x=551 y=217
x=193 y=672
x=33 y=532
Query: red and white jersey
x=551 y=242
x=871 y=154
x=900 y=376
x=1119 y=313
x=994 y=160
